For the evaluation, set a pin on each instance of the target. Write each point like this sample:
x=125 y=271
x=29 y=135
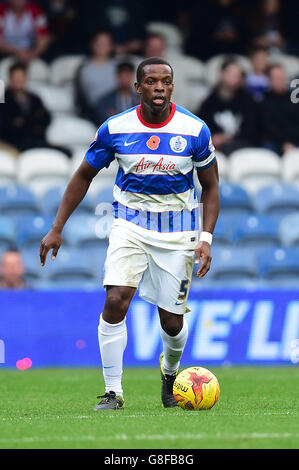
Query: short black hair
x=230 y=60
x=272 y=67
x=150 y=61
x=17 y=66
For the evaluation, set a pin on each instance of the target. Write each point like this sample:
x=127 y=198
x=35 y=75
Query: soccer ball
x=196 y=388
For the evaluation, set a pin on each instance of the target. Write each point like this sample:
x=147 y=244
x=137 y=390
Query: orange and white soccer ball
x=196 y=388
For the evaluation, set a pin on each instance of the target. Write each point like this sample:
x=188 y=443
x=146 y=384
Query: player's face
x=156 y=87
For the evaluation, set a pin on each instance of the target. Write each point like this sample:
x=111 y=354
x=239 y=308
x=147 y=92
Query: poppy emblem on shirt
x=178 y=143
x=153 y=142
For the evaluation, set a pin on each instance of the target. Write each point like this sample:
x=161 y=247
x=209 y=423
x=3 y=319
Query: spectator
x=279 y=117
x=96 y=76
x=229 y=111
x=267 y=27
x=23 y=117
x=12 y=271
x=257 y=81
x=23 y=30
x=120 y=99
x=125 y=20
x=64 y=27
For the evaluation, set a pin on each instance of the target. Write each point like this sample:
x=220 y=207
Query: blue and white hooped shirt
x=154 y=186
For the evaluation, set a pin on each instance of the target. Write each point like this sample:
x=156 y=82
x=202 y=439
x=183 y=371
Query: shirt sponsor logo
x=143 y=165
x=178 y=143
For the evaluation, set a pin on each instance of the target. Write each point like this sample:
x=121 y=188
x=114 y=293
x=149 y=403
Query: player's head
x=154 y=83
x=277 y=78
x=18 y=76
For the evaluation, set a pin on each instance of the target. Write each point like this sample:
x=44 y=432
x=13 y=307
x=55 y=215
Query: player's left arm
x=210 y=200
x=204 y=160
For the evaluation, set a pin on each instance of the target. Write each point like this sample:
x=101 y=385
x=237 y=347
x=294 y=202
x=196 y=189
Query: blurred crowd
x=245 y=100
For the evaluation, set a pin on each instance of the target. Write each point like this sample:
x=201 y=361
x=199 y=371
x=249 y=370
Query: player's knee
x=172 y=326
x=116 y=306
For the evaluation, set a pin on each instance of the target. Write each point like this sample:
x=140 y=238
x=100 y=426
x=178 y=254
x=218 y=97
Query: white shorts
x=163 y=276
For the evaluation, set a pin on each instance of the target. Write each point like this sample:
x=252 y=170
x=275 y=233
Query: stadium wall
x=59 y=328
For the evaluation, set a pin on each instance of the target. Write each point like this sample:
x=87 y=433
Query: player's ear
x=137 y=88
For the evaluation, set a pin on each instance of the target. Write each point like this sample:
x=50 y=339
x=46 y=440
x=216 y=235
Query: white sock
x=112 y=341
x=173 y=347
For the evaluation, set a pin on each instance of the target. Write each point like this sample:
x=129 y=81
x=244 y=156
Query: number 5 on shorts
x=183 y=290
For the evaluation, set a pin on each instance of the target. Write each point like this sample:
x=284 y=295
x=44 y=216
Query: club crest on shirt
x=178 y=143
x=153 y=142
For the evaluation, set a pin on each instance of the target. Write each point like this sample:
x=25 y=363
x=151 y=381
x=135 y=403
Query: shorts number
x=183 y=290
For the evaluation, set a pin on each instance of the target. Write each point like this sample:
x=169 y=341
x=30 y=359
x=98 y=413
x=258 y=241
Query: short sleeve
x=204 y=151
x=101 y=153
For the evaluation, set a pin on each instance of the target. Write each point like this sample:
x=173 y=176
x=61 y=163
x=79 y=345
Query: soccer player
x=155 y=232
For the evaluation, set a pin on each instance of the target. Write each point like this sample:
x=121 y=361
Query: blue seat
x=234 y=199
x=222 y=232
x=279 y=264
x=87 y=231
x=7 y=233
x=16 y=200
x=52 y=198
x=289 y=230
x=104 y=195
x=257 y=231
x=31 y=229
x=232 y=264
x=277 y=200
x=33 y=269
x=70 y=265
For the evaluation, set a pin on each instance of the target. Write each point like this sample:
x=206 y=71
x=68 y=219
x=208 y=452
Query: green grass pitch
x=52 y=408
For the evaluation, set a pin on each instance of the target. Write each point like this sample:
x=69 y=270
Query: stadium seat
x=71 y=131
x=33 y=269
x=222 y=234
x=56 y=99
x=289 y=230
x=31 y=229
x=213 y=66
x=8 y=167
x=257 y=231
x=81 y=231
x=222 y=166
x=277 y=200
x=289 y=62
x=16 y=199
x=41 y=168
x=281 y=264
x=254 y=168
x=63 y=70
x=173 y=36
x=7 y=233
x=37 y=70
x=234 y=199
x=231 y=264
x=52 y=198
x=69 y=265
x=290 y=167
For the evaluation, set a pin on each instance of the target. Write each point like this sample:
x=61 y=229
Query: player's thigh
x=166 y=282
x=126 y=260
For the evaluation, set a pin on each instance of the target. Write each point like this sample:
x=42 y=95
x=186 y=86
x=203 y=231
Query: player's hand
x=203 y=254
x=52 y=241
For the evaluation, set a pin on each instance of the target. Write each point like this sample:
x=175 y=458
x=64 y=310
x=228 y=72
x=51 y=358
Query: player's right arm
x=74 y=193
x=99 y=155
